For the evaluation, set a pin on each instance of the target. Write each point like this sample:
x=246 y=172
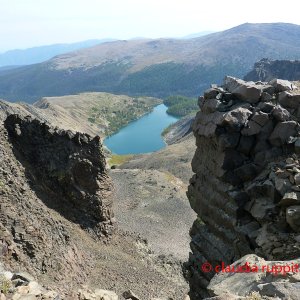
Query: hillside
x=154 y=67
x=19 y=57
x=92 y=113
x=266 y=70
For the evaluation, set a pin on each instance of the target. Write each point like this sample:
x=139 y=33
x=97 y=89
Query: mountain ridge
x=33 y=55
x=156 y=68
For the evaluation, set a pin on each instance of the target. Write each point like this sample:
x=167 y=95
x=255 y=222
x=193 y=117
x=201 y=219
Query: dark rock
x=74 y=170
x=280 y=114
x=200 y=101
x=130 y=295
x=289 y=100
x=246 y=172
x=263 y=157
x=232 y=159
x=236 y=118
x=245 y=144
x=282 y=185
x=293 y=217
x=291 y=198
x=282 y=132
x=266 y=107
x=23 y=276
x=260 y=118
x=241 y=198
x=243 y=90
x=210 y=106
x=265 y=97
x=228 y=140
x=211 y=93
x=281 y=85
x=297 y=146
x=252 y=128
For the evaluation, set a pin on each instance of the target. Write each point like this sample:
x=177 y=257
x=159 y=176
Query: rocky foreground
x=58 y=233
x=246 y=187
x=57 y=228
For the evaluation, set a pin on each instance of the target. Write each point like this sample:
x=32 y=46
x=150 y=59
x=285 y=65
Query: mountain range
x=154 y=67
x=19 y=57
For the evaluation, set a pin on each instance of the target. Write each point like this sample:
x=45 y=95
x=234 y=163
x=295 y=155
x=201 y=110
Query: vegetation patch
x=5 y=285
x=181 y=106
x=118 y=115
x=119 y=159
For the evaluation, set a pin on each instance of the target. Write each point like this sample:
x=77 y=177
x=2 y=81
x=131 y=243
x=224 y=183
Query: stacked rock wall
x=246 y=188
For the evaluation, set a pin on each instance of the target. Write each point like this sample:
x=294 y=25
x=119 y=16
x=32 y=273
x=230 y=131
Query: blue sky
x=27 y=23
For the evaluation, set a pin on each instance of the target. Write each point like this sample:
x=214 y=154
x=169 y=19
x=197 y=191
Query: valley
x=153 y=67
x=131 y=164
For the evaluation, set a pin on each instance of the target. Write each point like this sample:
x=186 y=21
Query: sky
x=28 y=23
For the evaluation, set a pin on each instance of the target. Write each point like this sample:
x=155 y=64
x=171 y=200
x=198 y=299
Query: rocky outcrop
x=54 y=189
x=245 y=189
x=69 y=166
x=179 y=130
x=247 y=279
x=23 y=286
x=266 y=70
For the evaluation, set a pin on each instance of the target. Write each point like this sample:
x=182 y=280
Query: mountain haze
x=154 y=67
x=18 y=57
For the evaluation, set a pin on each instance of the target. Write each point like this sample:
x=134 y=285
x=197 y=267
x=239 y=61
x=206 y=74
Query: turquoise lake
x=142 y=135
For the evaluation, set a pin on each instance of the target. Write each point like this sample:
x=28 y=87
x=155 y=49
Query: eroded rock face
x=69 y=166
x=245 y=165
x=266 y=70
x=51 y=182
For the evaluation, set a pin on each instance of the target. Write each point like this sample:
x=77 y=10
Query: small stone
x=106 y=295
x=293 y=217
x=289 y=160
x=291 y=178
x=130 y=295
x=297 y=179
x=296 y=188
x=282 y=173
x=296 y=170
x=23 y=276
x=23 y=289
x=292 y=198
x=35 y=288
x=282 y=185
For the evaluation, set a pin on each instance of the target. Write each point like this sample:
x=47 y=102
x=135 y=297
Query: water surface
x=142 y=135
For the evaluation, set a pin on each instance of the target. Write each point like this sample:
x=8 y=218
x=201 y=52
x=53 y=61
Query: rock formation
x=69 y=167
x=280 y=282
x=266 y=70
x=246 y=188
x=53 y=184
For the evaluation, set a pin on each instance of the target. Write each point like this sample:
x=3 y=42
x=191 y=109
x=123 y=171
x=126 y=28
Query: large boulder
x=246 y=91
x=252 y=273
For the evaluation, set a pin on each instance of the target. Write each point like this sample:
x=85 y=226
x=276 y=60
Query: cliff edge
x=246 y=187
